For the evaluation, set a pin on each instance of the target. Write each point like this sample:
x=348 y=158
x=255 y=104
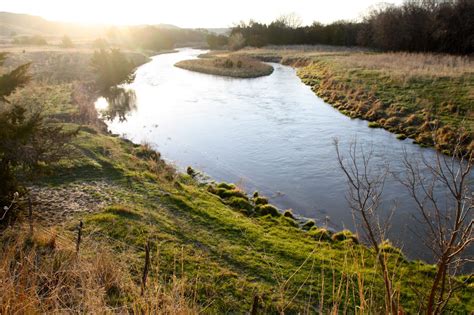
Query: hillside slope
x=226 y=253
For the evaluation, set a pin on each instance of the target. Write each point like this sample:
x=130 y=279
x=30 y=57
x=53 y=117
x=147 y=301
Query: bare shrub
x=442 y=191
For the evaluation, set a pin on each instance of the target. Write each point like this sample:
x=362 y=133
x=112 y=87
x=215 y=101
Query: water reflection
x=270 y=134
x=120 y=102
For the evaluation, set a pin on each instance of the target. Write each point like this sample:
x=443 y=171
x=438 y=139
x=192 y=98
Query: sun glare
x=183 y=13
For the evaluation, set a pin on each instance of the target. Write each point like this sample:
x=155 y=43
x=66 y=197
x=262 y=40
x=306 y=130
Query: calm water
x=270 y=134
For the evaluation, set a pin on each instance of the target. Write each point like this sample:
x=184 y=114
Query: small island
x=233 y=66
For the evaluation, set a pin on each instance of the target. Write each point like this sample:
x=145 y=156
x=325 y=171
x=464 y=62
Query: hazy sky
x=188 y=13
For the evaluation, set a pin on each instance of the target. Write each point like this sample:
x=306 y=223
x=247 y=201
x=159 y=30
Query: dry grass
x=41 y=273
x=58 y=65
x=425 y=97
x=233 y=66
x=301 y=50
x=411 y=64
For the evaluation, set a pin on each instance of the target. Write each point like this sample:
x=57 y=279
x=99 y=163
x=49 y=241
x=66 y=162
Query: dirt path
x=53 y=205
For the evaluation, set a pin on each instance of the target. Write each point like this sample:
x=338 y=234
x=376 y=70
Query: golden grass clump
x=42 y=273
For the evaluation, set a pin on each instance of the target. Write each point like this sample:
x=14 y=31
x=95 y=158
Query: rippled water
x=271 y=134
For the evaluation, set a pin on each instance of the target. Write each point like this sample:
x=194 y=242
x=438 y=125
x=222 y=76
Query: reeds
x=42 y=273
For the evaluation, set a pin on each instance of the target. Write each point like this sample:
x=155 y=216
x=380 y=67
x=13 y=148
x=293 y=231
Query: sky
x=189 y=13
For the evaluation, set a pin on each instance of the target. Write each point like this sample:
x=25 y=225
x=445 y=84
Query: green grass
x=228 y=255
x=391 y=102
x=232 y=254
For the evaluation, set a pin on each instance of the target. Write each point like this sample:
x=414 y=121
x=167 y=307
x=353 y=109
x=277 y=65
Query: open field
x=56 y=64
x=426 y=97
x=237 y=67
x=213 y=248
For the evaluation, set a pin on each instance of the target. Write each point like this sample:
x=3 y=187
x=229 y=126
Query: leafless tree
x=365 y=195
x=291 y=20
x=442 y=191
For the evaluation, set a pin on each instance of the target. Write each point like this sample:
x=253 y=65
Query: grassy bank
x=428 y=98
x=213 y=248
x=237 y=67
x=225 y=247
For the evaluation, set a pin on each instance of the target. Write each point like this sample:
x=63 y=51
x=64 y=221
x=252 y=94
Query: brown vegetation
x=42 y=273
x=237 y=67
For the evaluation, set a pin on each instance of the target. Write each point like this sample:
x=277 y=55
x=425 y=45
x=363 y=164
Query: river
x=270 y=134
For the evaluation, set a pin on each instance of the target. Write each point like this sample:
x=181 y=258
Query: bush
x=236 y=41
x=228 y=193
x=289 y=214
x=191 y=172
x=226 y=186
x=228 y=63
x=66 y=42
x=268 y=209
x=26 y=139
x=289 y=221
x=308 y=225
x=241 y=204
x=112 y=68
x=216 y=41
x=36 y=40
x=146 y=152
x=260 y=200
x=387 y=247
x=345 y=235
x=374 y=124
x=320 y=234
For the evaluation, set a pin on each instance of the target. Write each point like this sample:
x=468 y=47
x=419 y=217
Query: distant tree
x=216 y=41
x=154 y=38
x=10 y=81
x=26 y=139
x=111 y=68
x=36 y=40
x=100 y=43
x=416 y=25
x=236 y=41
x=290 y=20
x=66 y=42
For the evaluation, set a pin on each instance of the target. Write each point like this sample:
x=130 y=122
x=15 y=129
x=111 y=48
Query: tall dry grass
x=401 y=64
x=351 y=287
x=42 y=273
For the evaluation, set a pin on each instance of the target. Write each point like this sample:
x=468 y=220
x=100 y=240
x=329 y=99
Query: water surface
x=270 y=134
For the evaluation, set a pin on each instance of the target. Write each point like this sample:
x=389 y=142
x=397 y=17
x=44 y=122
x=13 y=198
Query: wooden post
x=146 y=267
x=254 y=310
x=30 y=214
x=79 y=236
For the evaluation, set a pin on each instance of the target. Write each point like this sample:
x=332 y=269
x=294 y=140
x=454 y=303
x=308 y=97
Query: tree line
x=444 y=26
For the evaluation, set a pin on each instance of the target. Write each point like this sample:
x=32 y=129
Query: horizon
x=204 y=14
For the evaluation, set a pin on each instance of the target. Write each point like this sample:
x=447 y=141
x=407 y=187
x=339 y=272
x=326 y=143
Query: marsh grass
x=238 y=67
x=42 y=273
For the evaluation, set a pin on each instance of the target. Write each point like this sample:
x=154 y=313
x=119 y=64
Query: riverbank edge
x=146 y=187
x=418 y=126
